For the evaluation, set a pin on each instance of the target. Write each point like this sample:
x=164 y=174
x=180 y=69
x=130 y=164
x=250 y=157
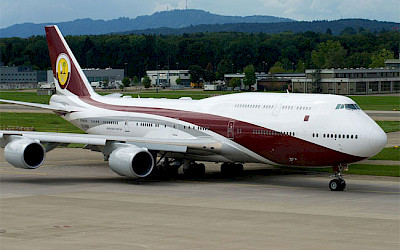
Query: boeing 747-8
x=139 y=136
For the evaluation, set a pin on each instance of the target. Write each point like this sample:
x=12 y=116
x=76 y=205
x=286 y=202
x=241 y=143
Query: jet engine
x=131 y=161
x=25 y=153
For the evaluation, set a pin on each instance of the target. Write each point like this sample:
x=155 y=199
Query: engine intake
x=24 y=153
x=131 y=161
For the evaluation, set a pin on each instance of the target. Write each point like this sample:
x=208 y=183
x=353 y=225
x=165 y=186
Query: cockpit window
x=348 y=106
x=352 y=106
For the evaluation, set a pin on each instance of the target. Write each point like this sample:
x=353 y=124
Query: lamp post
x=125 y=71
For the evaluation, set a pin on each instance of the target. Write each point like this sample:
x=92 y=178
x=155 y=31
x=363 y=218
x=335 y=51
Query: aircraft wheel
x=195 y=170
x=337 y=185
x=229 y=169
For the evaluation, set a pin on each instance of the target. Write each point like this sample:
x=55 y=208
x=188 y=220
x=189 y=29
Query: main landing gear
x=231 y=169
x=192 y=169
x=338 y=183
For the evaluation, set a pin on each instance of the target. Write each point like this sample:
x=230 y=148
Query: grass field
x=365 y=102
x=40 y=122
x=361 y=169
x=377 y=102
x=388 y=154
x=389 y=126
x=24 y=96
x=53 y=123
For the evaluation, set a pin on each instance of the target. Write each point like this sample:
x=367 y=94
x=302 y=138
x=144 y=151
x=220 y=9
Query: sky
x=41 y=11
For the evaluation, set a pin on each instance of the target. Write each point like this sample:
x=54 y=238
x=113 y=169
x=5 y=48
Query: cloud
x=334 y=9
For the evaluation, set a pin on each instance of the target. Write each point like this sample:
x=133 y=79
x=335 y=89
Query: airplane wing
x=42 y=106
x=170 y=145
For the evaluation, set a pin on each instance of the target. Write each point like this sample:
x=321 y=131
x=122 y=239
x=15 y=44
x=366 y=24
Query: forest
x=215 y=53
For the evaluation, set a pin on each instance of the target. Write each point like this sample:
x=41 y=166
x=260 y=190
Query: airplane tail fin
x=68 y=75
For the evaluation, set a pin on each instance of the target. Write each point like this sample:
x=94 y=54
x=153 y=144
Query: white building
x=167 y=78
x=349 y=81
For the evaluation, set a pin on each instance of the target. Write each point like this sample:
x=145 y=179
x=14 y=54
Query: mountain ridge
x=168 y=19
x=336 y=27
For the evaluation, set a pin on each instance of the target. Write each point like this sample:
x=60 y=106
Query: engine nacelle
x=25 y=153
x=131 y=161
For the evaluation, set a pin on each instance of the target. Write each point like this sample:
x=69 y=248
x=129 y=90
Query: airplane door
x=175 y=129
x=278 y=106
x=126 y=124
x=231 y=130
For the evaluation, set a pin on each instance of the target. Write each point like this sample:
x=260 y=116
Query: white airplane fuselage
x=274 y=128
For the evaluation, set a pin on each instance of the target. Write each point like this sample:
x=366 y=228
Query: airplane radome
x=140 y=136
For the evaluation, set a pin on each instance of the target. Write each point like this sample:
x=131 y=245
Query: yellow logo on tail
x=63 y=70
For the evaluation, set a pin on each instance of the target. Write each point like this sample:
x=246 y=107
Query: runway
x=75 y=201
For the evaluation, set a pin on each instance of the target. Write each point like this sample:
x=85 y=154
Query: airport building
x=104 y=75
x=268 y=81
x=349 y=81
x=358 y=81
x=112 y=76
x=22 y=77
x=167 y=78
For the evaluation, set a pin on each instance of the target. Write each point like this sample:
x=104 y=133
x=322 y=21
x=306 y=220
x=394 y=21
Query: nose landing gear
x=338 y=183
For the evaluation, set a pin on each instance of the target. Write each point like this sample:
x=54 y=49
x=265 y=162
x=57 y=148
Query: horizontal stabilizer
x=39 y=105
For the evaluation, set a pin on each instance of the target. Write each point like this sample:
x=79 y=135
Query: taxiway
x=74 y=201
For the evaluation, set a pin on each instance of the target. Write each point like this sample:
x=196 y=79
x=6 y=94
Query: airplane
x=143 y=136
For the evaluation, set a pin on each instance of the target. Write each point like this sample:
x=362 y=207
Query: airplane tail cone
x=68 y=75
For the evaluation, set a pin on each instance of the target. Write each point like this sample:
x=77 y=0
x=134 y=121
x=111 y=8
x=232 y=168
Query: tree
x=328 y=31
x=196 y=72
x=249 y=76
x=348 y=31
x=209 y=74
x=277 y=68
x=135 y=80
x=146 y=81
x=234 y=82
x=329 y=55
x=224 y=67
x=379 y=57
x=126 y=82
x=178 y=81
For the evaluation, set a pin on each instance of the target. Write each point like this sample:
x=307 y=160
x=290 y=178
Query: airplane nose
x=377 y=140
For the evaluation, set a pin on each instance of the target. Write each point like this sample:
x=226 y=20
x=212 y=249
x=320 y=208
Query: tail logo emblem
x=63 y=70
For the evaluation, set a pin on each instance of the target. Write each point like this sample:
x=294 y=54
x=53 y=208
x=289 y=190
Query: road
x=75 y=201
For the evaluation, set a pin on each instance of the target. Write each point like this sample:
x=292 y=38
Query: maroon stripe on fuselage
x=272 y=145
